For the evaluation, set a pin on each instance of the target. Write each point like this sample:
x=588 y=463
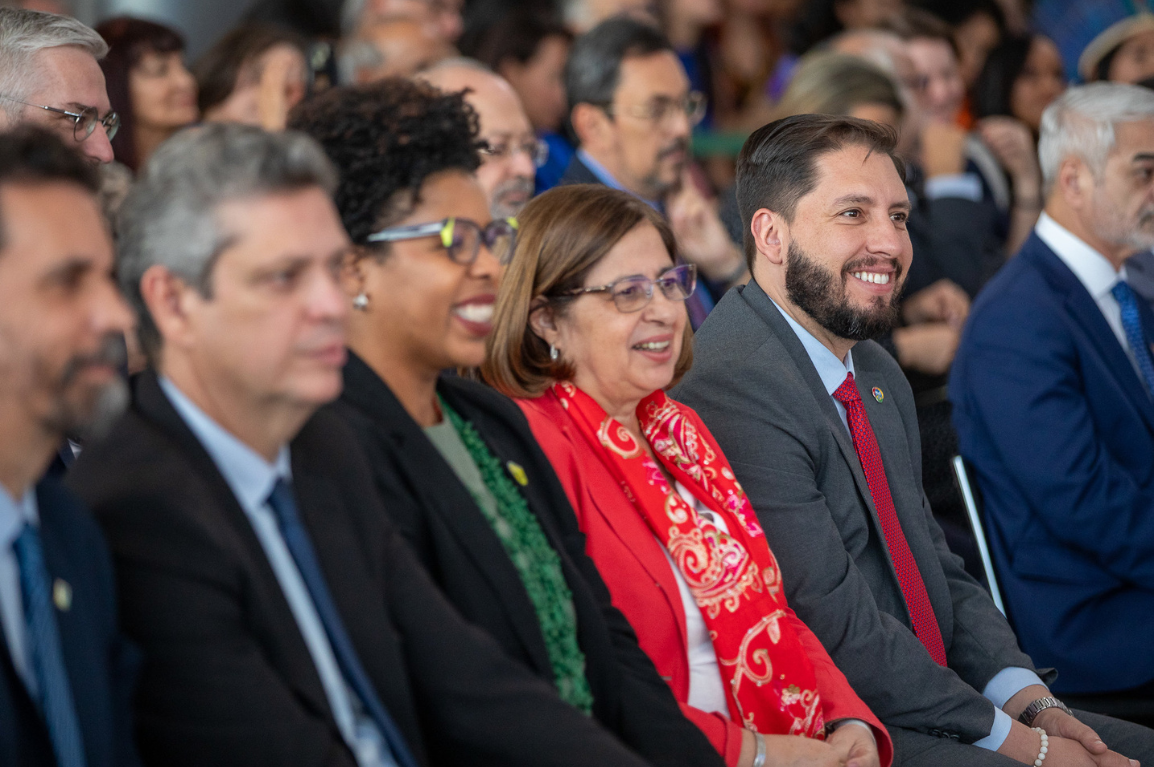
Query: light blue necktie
x=44 y=654
x=297 y=540
x=1132 y=324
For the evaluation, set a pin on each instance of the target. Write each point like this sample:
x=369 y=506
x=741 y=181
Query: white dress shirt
x=706 y=687
x=251 y=479
x=1007 y=682
x=1097 y=275
x=13 y=516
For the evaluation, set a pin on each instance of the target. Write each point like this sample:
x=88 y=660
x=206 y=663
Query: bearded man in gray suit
x=819 y=425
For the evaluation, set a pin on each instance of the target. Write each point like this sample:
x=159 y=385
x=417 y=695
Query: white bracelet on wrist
x=759 y=758
x=1045 y=746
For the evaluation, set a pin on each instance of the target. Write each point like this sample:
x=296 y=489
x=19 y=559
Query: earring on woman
x=361 y=302
x=554 y=355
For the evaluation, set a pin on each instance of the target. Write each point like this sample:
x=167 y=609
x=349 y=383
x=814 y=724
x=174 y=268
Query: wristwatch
x=1031 y=711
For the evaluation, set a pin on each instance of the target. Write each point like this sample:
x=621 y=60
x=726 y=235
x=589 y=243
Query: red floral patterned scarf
x=769 y=680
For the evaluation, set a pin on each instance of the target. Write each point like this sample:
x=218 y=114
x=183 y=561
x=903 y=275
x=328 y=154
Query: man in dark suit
x=1052 y=401
x=633 y=113
x=283 y=620
x=65 y=672
x=819 y=425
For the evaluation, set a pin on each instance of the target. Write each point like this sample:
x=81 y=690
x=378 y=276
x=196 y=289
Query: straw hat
x=1110 y=40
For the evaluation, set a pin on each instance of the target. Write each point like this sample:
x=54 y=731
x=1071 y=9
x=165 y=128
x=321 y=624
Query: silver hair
x=170 y=216
x=1081 y=123
x=23 y=34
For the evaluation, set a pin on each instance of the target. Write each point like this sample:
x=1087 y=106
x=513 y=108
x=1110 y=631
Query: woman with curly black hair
x=455 y=461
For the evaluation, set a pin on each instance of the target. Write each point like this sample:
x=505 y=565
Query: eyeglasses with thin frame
x=633 y=293
x=661 y=110
x=537 y=150
x=460 y=237
x=83 y=122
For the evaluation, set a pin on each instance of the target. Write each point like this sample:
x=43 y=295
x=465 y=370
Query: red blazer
x=644 y=587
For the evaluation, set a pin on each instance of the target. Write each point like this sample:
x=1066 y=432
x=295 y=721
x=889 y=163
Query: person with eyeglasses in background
x=632 y=113
x=512 y=152
x=50 y=76
x=454 y=461
x=590 y=329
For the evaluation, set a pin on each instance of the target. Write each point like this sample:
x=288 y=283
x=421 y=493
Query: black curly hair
x=385 y=139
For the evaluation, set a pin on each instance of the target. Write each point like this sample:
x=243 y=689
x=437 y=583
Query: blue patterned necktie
x=44 y=654
x=296 y=538
x=1132 y=324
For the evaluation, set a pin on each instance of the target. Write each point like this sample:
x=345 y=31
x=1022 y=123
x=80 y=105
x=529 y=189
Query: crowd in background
x=618 y=143
x=964 y=82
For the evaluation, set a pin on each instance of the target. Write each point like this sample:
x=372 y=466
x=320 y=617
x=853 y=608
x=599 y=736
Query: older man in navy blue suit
x=64 y=678
x=1052 y=389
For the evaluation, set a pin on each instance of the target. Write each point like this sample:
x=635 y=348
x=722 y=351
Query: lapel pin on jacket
x=879 y=395
x=518 y=473
x=61 y=595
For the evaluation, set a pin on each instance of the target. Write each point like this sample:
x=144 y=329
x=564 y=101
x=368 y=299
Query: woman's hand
x=796 y=751
x=1011 y=142
x=860 y=744
x=943 y=301
x=928 y=348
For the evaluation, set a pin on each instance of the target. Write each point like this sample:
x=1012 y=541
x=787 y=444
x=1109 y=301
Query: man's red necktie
x=913 y=588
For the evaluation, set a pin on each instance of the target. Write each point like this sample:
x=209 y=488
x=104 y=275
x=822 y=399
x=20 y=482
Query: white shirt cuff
x=965 y=185
x=837 y=725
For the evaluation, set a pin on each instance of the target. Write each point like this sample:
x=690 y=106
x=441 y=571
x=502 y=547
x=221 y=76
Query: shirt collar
x=249 y=475
x=606 y=178
x=15 y=514
x=1092 y=269
x=830 y=369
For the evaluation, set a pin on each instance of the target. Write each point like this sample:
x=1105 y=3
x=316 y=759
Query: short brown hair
x=778 y=164
x=563 y=234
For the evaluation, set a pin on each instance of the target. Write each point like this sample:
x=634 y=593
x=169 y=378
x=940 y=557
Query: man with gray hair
x=1053 y=392
x=283 y=619
x=49 y=75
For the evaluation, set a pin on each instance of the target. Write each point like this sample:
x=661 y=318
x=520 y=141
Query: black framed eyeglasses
x=460 y=237
x=536 y=149
x=83 y=122
x=660 y=111
x=633 y=293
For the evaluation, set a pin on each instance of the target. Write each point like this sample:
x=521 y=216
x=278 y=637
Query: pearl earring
x=553 y=353
x=361 y=302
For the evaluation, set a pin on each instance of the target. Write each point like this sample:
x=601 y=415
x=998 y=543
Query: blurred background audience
x=654 y=97
x=148 y=85
x=254 y=75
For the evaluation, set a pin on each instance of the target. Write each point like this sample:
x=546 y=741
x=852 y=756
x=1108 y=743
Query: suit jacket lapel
x=764 y=307
x=292 y=655
x=1085 y=310
x=442 y=493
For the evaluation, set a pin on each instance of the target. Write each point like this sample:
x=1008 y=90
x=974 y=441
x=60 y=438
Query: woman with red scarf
x=590 y=329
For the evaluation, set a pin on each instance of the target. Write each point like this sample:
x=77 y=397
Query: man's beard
x=823 y=296
x=520 y=189
x=82 y=412
x=1111 y=226
x=658 y=186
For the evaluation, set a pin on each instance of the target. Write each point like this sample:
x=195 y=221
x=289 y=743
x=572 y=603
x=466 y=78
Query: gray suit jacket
x=755 y=387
